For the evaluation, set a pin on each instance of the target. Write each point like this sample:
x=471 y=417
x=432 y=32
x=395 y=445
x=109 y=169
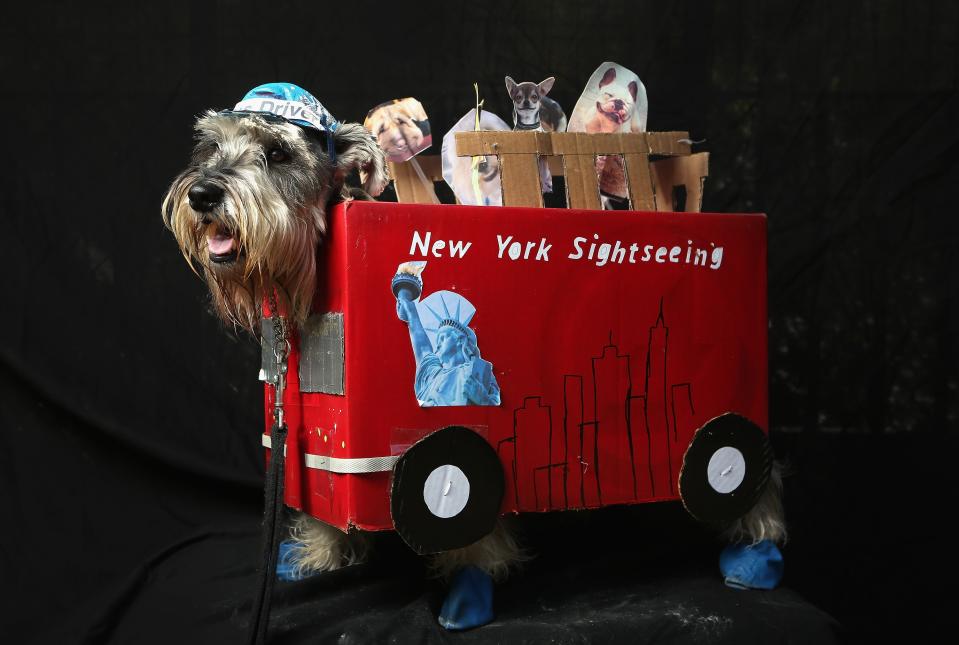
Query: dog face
x=400 y=127
x=614 y=105
x=250 y=208
x=527 y=98
x=614 y=101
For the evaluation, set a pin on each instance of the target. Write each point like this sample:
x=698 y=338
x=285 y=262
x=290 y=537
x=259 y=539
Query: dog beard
x=261 y=238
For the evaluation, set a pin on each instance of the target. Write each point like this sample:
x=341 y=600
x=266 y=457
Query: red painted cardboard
x=606 y=368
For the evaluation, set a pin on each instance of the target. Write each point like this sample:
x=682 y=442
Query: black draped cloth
x=131 y=468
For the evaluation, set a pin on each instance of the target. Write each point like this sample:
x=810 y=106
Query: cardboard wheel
x=446 y=491
x=725 y=469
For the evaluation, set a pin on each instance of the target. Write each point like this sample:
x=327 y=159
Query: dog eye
x=534 y=97
x=277 y=155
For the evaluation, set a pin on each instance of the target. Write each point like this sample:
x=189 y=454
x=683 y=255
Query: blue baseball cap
x=292 y=103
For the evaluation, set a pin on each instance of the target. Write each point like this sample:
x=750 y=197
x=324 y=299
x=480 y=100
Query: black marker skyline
x=566 y=465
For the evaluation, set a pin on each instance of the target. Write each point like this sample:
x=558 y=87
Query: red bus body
x=606 y=369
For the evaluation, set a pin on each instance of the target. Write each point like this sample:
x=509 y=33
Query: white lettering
x=502 y=244
x=542 y=253
x=602 y=253
x=592 y=246
x=717 y=258
x=603 y=256
x=423 y=244
x=458 y=248
x=618 y=252
x=579 y=252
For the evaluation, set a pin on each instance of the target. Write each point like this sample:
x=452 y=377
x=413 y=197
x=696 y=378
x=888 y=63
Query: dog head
x=616 y=100
x=250 y=208
x=527 y=97
x=400 y=127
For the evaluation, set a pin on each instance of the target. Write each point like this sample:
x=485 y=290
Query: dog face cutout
x=250 y=208
x=614 y=104
x=474 y=184
x=614 y=101
x=532 y=109
x=401 y=128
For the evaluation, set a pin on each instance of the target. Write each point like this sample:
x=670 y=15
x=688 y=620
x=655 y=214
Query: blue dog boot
x=285 y=569
x=751 y=566
x=469 y=602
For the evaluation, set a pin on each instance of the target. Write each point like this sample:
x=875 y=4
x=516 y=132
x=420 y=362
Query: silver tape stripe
x=356 y=466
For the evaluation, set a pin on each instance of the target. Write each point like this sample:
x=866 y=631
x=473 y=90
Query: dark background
x=130 y=465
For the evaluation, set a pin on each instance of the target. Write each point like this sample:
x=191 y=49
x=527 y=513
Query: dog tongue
x=219 y=244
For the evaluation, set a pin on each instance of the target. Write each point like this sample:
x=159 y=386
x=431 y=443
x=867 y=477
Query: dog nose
x=204 y=196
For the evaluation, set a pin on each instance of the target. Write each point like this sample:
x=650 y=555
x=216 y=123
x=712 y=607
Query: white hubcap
x=726 y=469
x=446 y=491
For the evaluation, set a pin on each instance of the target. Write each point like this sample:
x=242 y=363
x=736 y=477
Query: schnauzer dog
x=251 y=207
x=250 y=211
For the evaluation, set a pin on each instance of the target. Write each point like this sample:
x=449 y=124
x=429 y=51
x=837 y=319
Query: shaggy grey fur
x=266 y=186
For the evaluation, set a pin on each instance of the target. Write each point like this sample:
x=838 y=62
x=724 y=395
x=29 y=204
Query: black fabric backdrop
x=131 y=471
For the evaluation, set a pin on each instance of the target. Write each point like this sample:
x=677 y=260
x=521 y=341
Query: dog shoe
x=751 y=566
x=284 y=564
x=469 y=602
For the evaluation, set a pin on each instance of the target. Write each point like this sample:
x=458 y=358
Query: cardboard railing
x=414 y=187
x=651 y=185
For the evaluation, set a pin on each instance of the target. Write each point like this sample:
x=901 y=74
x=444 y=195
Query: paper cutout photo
x=532 y=109
x=614 y=101
x=449 y=368
x=479 y=187
x=401 y=127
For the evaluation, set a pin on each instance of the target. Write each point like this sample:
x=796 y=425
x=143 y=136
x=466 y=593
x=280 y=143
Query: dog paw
x=286 y=566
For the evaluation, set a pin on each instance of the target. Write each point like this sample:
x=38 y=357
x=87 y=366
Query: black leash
x=272 y=528
x=273 y=488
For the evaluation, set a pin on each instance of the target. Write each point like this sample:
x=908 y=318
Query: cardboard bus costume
x=629 y=352
x=474 y=441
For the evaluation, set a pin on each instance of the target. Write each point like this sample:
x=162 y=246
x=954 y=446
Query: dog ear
x=608 y=77
x=415 y=109
x=424 y=127
x=633 y=89
x=510 y=86
x=546 y=86
x=374 y=119
x=357 y=149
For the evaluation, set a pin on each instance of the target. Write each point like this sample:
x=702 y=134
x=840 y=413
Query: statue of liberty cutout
x=449 y=368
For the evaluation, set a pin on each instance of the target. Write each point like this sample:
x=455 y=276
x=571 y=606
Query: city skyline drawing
x=577 y=460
